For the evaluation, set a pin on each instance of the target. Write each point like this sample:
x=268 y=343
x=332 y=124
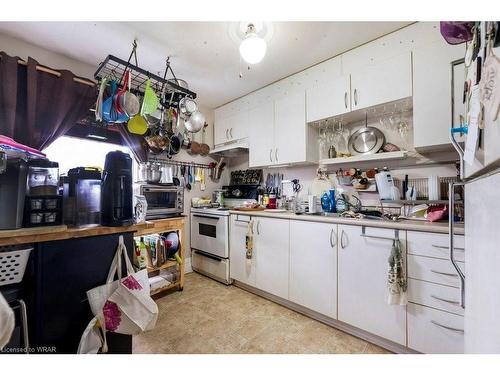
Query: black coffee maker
x=116 y=190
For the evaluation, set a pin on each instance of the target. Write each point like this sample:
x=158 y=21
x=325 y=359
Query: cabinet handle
x=231 y=133
x=276 y=155
x=258 y=227
x=446 y=300
x=447 y=248
x=332 y=244
x=445 y=273
x=355 y=97
x=446 y=327
x=342 y=239
x=345 y=99
x=227 y=130
x=271 y=155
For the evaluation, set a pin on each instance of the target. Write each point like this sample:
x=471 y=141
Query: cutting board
x=249 y=209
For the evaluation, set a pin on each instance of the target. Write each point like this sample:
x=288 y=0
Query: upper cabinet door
x=290 y=129
x=221 y=132
x=384 y=82
x=238 y=125
x=327 y=99
x=432 y=73
x=261 y=128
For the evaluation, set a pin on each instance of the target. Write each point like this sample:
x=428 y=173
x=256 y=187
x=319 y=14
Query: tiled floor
x=209 y=317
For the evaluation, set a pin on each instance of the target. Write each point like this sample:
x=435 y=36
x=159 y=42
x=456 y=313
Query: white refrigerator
x=482 y=264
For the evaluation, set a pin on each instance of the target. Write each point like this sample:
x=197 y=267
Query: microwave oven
x=163 y=201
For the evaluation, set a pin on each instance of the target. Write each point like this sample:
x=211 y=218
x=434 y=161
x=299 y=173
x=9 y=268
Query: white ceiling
x=203 y=53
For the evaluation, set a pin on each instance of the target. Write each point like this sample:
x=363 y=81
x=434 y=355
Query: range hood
x=231 y=148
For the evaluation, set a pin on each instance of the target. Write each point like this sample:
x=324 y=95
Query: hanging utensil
x=203 y=179
x=188 y=178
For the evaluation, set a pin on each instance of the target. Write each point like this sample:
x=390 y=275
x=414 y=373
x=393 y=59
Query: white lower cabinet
x=434 y=331
x=268 y=268
x=362 y=283
x=313 y=266
x=240 y=268
x=272 y=254
x=337 y=271
x=441 y=297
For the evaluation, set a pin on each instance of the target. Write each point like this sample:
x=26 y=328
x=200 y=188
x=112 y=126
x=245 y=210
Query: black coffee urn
x=116 y=190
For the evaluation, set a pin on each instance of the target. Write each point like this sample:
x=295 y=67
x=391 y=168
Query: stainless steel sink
x=327 y=214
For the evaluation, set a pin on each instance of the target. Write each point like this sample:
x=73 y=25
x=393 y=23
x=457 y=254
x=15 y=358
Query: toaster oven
x=163 y=201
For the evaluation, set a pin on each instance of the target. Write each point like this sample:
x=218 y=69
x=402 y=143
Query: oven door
x=161 y=201
x=210 y=234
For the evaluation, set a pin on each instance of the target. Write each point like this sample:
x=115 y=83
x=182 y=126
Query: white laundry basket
x=13 y=260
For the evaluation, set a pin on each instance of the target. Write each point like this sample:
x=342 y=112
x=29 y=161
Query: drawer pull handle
x=447 y=248
x=446 y=300
x=445 y=273
x=446 y=327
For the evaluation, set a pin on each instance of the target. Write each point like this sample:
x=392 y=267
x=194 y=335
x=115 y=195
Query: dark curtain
x=37 y=107
x=135 y=143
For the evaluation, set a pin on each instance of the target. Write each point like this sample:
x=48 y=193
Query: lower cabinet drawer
x=439 y=271
x=435 y=245
x=433 y=331
x=440 y=297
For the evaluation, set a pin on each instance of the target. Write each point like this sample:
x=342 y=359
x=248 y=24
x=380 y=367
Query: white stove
x=210 y=242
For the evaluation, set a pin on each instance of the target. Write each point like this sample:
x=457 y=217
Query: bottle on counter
x=341 y=203
x=140 y=254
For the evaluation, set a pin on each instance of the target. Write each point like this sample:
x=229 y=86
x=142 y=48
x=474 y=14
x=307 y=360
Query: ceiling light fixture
x=253 y=47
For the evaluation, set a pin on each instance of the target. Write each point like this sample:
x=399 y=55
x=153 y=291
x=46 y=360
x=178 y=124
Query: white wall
x=22 y=49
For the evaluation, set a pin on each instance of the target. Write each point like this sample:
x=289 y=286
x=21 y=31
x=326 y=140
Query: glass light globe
x=253 y=48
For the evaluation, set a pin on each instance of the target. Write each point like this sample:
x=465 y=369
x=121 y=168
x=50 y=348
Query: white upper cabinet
x=261 y=126
x=313 y=268
x=231 y=123
x=279 y=133
x=362 y=283
x=294 y=140
x=432 y=94
x=328 y=98
x=386 y=81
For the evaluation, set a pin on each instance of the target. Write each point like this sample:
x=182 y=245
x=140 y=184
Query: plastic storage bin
x=13 y=260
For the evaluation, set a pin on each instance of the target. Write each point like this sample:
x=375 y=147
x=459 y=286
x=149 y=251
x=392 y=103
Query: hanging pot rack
x=171 y=92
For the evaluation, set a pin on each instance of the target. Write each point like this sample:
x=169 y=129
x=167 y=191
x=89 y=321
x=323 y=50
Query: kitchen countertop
x=414 y=225
x=62 y=232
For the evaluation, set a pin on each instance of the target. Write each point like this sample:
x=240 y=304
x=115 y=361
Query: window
x=73 y=152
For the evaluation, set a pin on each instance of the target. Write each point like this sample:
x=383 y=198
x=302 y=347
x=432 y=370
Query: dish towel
x=397 y=283
x=6 y=322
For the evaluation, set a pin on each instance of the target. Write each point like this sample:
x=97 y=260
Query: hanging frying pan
x=367 y=140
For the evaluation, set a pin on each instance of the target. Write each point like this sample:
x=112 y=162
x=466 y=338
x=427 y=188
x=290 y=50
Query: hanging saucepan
x=175 y=144
x=204 y=148
x=187 y=106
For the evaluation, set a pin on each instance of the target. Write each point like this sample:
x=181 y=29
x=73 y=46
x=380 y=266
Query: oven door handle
x=161 y=190
x=207 y=217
